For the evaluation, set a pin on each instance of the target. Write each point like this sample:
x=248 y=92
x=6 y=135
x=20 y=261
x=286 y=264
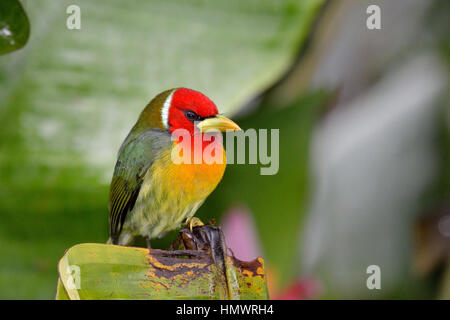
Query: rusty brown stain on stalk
x=209 y=240
x=249 y=268
x=200 y=251
x=170 y=267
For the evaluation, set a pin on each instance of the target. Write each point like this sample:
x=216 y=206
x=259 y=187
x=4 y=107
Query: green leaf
x=99 y=271
x=14 y=26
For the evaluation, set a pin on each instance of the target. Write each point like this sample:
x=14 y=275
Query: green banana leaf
x=14 y=26
x=100 y=271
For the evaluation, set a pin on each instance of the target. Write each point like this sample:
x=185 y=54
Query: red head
x=183 y=107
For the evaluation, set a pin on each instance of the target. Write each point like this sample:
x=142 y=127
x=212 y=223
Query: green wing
x=135 y=158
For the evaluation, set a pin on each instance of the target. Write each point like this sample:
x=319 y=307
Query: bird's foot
x=193 y=222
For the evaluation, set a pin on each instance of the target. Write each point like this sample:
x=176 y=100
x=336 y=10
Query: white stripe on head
x=165 y=110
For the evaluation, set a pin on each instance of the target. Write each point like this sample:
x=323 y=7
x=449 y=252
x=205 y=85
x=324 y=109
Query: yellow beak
x=217 y=123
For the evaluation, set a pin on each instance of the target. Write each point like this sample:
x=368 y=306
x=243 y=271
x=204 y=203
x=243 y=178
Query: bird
x=150 y=194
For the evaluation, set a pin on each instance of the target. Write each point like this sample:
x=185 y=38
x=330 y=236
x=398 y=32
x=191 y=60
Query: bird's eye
x=192 y=116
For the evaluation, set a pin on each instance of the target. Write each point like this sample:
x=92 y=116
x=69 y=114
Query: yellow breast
x=192 y=181
x=170 y=193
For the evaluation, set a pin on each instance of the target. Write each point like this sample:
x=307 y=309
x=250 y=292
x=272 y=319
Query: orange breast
x=192 y=181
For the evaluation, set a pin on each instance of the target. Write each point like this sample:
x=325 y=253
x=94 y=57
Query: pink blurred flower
x=240 y=234
x=299 y=289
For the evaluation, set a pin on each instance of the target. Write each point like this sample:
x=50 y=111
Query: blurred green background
x=363 y=119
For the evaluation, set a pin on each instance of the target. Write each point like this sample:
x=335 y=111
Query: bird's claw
x=193 y=222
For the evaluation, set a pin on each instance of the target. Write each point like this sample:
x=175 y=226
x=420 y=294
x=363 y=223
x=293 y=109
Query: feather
x=135 y=157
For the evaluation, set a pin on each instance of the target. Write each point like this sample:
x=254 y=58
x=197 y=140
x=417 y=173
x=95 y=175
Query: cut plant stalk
x=196 y=267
